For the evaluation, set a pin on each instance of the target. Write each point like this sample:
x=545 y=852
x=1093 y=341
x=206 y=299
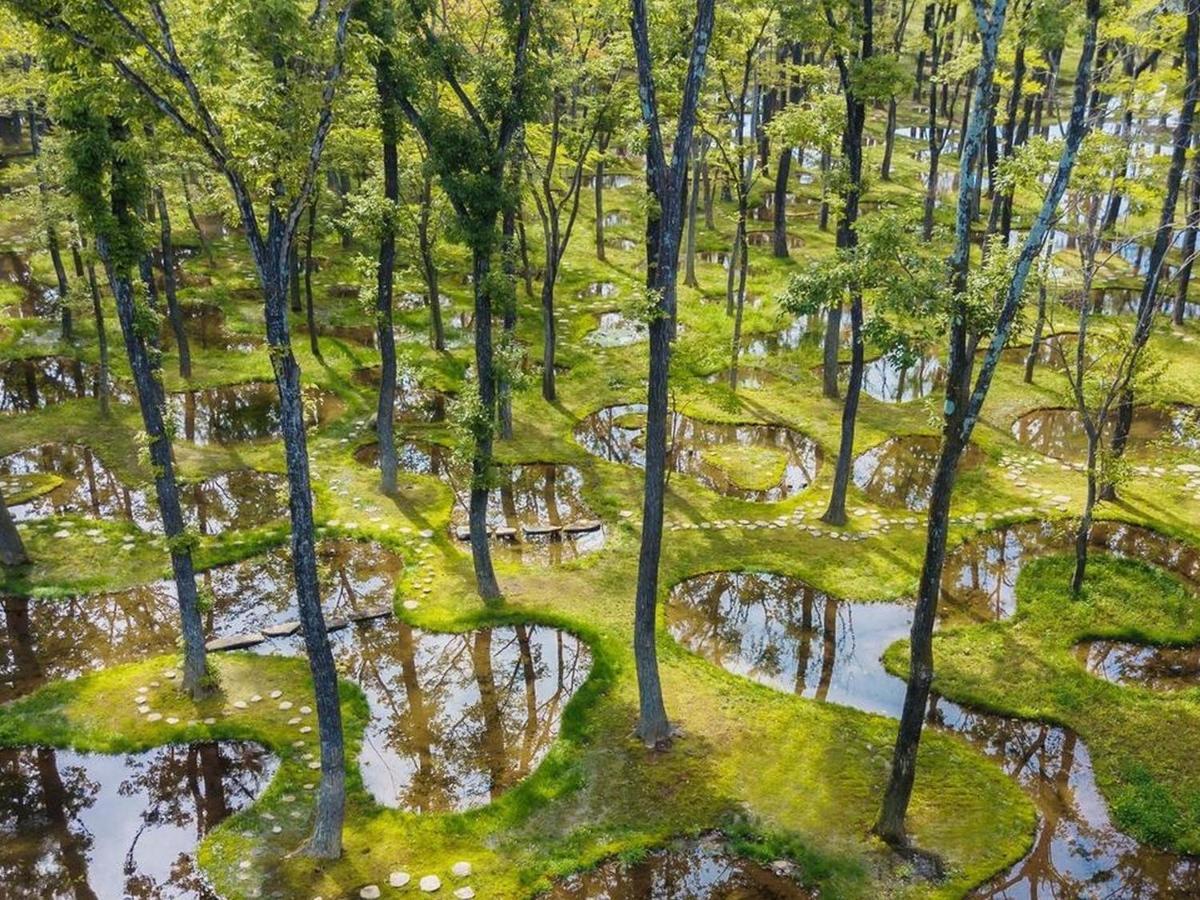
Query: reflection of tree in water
x=764 y=626
x=56 y=638
x=458 y=719
x=88 y=486
x=71 y=821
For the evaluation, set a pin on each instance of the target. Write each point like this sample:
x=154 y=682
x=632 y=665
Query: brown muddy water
x=617 y=434
x=783 y=633
x=91 y=825
x=1144 y=665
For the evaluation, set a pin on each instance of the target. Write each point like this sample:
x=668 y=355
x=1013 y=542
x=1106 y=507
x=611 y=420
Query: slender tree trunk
x=833 y=340
x=689 y=277
x=598 y=187
x=664 y=228
x=1084 y=531
x=481 y=459
x=147 y=380
x=205 y=244
x=739 y=235
x=1189 y=239
x=1035 y=343
x=293 y=262
x=742 y=256
x=710 y=221
x=549 y=328
x=385 y=277
x=174 y=313
x=508 y=323
x=103 y=390
x=428 y=266
x=779 y=236
x=1148 y=303
x=52 y=244
x=889 y=141
x=325 y=841
x=963 y=401
x=310 y=314
x=823 y=215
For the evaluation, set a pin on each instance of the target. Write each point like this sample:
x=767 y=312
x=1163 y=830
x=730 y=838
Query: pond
x=36 y=382
x=93 y=825
x=748 y=378
x=615 y=329
x=414 y=402
x=750 y=461
x=44 y=639
x=803 y=330
x=686 y=869
x=236 y=413
x=535 y=510
x=980 y=576
x=37 y=300
x=781 y=632
x=1058 y=431
x=83 y=485
x=889 y=382
x=1145 y=665
x=204 y=324
x=899 y=471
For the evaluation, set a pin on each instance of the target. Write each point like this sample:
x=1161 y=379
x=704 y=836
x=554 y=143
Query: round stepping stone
x=305 y=710
x=465 y=893
x=295 y=720
x=257 y=698
x=172 y=720
x=305 y=729
x=143 y=709
x=276 y=829
x=399 y=879
x=285 y=704
x=461 y=869
x=241 y=704
x=430 y=883
x=275 y=695
x=411 y=604
x=316 y=764
x=370 y=892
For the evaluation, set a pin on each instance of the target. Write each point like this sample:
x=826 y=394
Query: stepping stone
x=461 y=869
x=370 y=892
x=283 y=629
x=210 y=721
x=153 y=717
x=241 y=704
x=465 y=893
x=337 y=623
x=399 y=879
x=305 y=710
x=143 y=710
x=541 y=530
x=430 y=883
x=275 y=695
x=411 y=604
x=371 y=612
x=285 y=704
x=235 y=641
x=257 y=698
x=462 y=532
x=172 y=720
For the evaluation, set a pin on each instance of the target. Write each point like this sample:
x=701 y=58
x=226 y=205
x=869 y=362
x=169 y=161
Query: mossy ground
x=784 y=773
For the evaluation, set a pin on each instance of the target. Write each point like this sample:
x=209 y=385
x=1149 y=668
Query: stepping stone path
x=235 y=641
x=465 y=893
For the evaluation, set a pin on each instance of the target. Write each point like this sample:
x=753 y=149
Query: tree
x=469 y=150
x=12 y=548
x=101 y=152
x=276 y=156
x=987 y=304
x=664 y=227
x=583 y=82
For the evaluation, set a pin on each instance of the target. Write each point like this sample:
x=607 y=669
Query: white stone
x=370 y=892
x=461 y=869
x=399 y=879
x=465 y=893
x=285 y=704
x=430 y=883
x=154 y=717
x=172 y=720
x=275 y=695
x=305 y=710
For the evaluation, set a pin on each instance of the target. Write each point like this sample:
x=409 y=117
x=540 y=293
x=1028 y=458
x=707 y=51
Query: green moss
x=749 y=467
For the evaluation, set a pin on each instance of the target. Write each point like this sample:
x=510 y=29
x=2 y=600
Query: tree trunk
x=689 y=277
x=710 y=221
x=310 y=315
x=293 y=262
x=174 y=313
x=598 y=187
x=779 y=236
x=1035 y=343
x=191 y=213
x=823 y=215
x=889 y=141
x=52 y=245
x=386 y=409
x=549 y=328
x=147 y=381
x=326 y=839
x=833 y=340
x=741 y=252
x=739 y=235
x=429 y=267
x=1189 y=240
x=1084 y=532
x=103 y=391
x=481 y=458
